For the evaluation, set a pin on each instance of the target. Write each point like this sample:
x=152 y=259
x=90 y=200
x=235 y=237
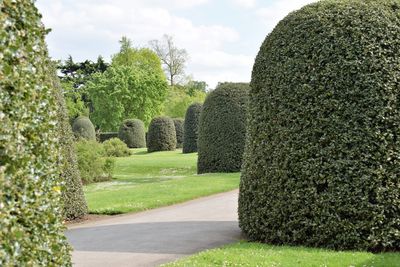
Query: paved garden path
x=157 y=236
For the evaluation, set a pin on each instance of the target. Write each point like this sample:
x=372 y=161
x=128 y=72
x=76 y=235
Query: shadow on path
x=186 y=237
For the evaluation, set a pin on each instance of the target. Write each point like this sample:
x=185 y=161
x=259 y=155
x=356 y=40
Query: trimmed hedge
x=132 y=132
x=75 y=206
x=94 y=165
x=222 y=129
x=83 y=128
x=161 y=135
x=322 y=159
x=31 y=227
x=190 y=127
x=114 y=147
x=178 y=122
x=106 y=136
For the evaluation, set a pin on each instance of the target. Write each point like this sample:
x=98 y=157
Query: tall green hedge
x=31 y=228
x=74 y=200
x=190 y=127
x=222 y=129
x=322 y=159
x=161 y=135
x=83 y=128
x=178 y=122
x=132 y=132
x=102 y=137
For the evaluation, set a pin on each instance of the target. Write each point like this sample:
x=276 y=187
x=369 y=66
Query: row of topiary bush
x=132 y=132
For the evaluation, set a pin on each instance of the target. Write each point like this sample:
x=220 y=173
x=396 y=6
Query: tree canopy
x=172 y=58
x=134 y=86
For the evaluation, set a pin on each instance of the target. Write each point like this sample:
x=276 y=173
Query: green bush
x=222 y=129
x=114 y=147
x=31 y=228
x=190 y=127
x=75 y=206
x=178 y=123
x=83 y=128
x=322 y=158
x=132 y=132
x=93 y=163
x=161 y=135
x=102 y=137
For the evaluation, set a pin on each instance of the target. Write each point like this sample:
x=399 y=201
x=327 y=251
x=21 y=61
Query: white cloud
x=246 y=3
x=86 y=29
x=277 y=10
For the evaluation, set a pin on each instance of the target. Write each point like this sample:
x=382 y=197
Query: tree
x=73 y=79
x=172 y=58
x=193 y=87
x=134 y=86
x=78 y=73
x=178 y=101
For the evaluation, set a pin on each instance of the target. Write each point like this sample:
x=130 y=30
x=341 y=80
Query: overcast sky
x=222 y=37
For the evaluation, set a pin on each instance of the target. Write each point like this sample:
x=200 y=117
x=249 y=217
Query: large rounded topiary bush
x=222 y=129
x=322 y=159
x=190 y=128
x=132 y=132
x=83 y=128
x=161 y=135
x=178 y=122
x=31 y=228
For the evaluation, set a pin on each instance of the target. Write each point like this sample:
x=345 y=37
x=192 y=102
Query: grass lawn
x=254 y=254
x=150 y=180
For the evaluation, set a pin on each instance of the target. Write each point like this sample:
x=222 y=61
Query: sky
x=222 y=37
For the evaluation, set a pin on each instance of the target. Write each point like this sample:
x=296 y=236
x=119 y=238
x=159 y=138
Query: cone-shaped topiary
x=74 y=200
x=178 y=122
x=31 y=228
x=190 y=127
x=83 y=128
x=322 y=159
x=132 y=132
x=161 y=135
x=222 y=129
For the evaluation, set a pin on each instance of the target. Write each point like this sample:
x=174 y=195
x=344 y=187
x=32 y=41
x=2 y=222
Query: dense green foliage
x=179 y=99
x=190 y=127
x=79 y=73
x=194 y=87
x=134 y=86
x=322 y=159
x=132 y=132
x=73 y=99
x=222 y=129
x=178 y=122
x=161 y=135
x=73 y=79
x=114 y=147
x=72 y=194
x=31 y=229
x=106 y=136
x=83 y=128
x=94 y=165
